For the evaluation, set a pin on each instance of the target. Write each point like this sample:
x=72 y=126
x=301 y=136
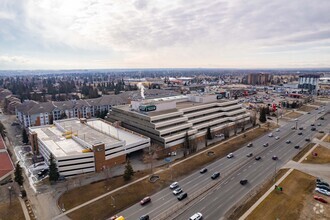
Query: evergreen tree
x=25 y=136
x=53 y=172
x=18 y=174
x=128 y=171
x=262 y=117
x=209 y=134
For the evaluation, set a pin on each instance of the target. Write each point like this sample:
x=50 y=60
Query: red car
x=145 y=200
x=319 y=198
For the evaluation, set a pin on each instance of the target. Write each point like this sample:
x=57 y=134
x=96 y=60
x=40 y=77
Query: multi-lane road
x=213 y=198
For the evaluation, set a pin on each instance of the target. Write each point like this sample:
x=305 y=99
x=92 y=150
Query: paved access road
x=226 y=190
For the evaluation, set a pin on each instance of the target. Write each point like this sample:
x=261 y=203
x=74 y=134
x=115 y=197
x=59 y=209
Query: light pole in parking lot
x=296 y=123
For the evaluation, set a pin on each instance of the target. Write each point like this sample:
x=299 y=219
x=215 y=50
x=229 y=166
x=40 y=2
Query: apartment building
x=167 y=120
x=82 y=146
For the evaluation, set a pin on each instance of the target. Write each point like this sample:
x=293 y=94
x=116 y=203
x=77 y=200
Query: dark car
x=307 y=139
x=301 y=128
x=308 y=113
x=322 y=118
x=274 y=157
x=144 y=217
x=313 y=129
x=300 y=133
x=204 y=170
x=321 y=132
x=258 y=158
x=297 y=146
x=43 y=172
x=243 y=182
x=312 y=125
x=321 y=182
x=182 y=196
x=321 y=186
x=145 y=200
x=215 y=175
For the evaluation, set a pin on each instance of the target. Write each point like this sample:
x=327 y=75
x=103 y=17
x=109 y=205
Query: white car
x=219 y=135
x=322 y=191
x=231 y=155
x=177 y=191
x=277 y=137
x=196 y=216
x=277 y=130
x=270 y=135
x=174 y=185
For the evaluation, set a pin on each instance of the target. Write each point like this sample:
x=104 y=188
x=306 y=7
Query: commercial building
x=167 y=120
x=309 y=82
x=258 y=79
x=84 y=146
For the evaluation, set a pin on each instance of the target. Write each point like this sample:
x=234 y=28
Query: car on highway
x=313 y=129
x=145 y=200
x=322 y=191
x=258 y=158
x=215 y=175
x=196 y=216
x=182 y=196
x=174 y=185
x=312 y=125
x=277 y=137
x=270 y=135
x=322 y=118
x=249 y=145
x=277 y=130
x=297 y=147
x=308 y=113
x=319 y=198
x=321 y=132
x=177 y=191
x=243 y=182
x=274 y=157
x=249 y=155
x=307 y=139
x=293 y=128
x=144 y=217
x=301 y=128
x=203 y=170
x=230 y=155
x=300 y=133
x=319 y=124
x=288 y=142
x=265 y=144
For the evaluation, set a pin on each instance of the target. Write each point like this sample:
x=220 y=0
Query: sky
x=98 y=34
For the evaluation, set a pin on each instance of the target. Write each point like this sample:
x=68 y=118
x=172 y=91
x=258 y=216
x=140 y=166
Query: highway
x=213 y=198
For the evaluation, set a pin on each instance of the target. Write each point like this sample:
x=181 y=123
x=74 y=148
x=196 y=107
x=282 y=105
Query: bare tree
x=226 y=131
x=253 y=118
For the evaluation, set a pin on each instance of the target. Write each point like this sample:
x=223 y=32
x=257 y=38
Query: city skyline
x=94 y=34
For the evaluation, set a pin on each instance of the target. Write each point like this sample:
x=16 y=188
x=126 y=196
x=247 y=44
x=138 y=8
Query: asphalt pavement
x=213 y=198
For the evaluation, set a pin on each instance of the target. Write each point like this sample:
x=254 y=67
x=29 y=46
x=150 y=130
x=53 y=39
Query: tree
x=53 y=171
x=18 y=174
x=128 y=171
x=226 y=132
x=262 y=117
x=25 y=136
x=2 y=130
x=209 y=134
x=186 y=145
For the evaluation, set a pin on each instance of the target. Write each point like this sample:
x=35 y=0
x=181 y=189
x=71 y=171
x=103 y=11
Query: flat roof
x=6 y=165
x=93 y=132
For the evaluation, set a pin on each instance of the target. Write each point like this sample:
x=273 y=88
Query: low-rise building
x=167 y=120
x=6 y=164
x=83 y=146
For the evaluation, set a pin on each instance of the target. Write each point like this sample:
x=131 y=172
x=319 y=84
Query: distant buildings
x=258 y=79
x=309 y=82
x=83 y=146
x=167 y=120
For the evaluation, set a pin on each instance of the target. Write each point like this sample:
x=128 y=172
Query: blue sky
x=61 y=34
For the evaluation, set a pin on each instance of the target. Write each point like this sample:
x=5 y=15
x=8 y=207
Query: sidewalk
x=271 y=189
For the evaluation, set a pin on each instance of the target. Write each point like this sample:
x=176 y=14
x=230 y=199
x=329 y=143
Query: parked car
x=174 y=185
x=215 y=175
x=43 y=172
x=258 y=158
x=177 y=191
x=274 y=157
x=243 y=182
x=230 y=155
x=182 y=196
x=319 y=198
x=144 y=217
x=313 y=129
x=321 y=186
x=322 y=191
x=204 y=170
x=219 y=135
x=196 y=216
x=145 y=200
x=297 y=146
x=249 y=155
x=321 y=182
